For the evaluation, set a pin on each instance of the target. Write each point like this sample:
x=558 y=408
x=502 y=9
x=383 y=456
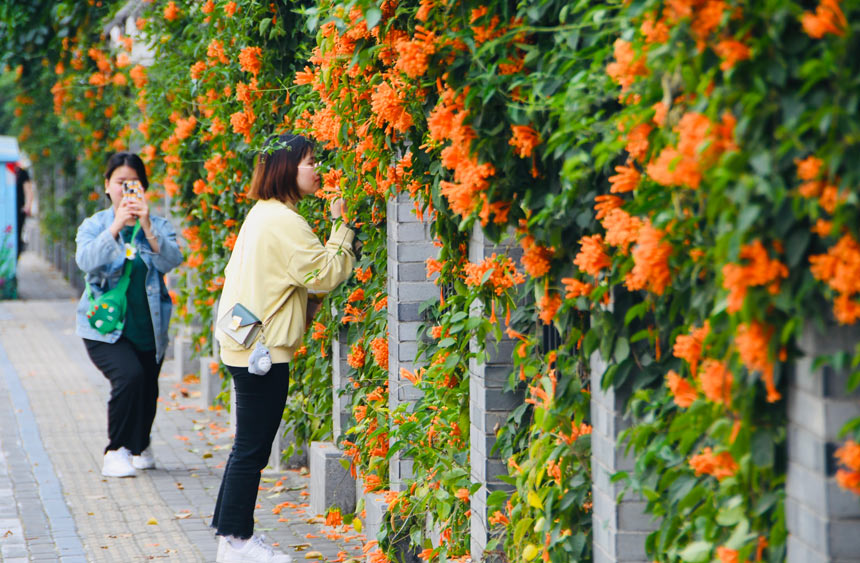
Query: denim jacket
x=101 y=257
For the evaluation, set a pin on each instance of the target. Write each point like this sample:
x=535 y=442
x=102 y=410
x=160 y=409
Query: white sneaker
x=118 y=464
x=145 y=460
x=255 y=550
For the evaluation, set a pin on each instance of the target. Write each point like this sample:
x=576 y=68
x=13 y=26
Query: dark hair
x=275 y=173
x=127 y=159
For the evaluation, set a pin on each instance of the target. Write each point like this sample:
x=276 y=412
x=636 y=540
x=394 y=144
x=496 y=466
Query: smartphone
x=132 y=189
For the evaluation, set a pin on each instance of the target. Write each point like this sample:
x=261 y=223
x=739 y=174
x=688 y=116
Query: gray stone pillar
x=489 y=407
x=329 y=484
x=340 y=388
x=823 y=519
x=409 y=246
x=620 y=526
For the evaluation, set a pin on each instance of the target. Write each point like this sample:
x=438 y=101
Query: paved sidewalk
x=54 y=503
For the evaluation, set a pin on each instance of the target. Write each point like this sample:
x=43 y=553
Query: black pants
x=133 y=376
x=260 y=404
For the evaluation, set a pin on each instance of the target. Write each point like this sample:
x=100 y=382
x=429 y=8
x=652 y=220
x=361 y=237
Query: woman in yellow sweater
x=276 y=260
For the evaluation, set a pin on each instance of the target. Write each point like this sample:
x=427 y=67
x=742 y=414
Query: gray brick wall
x=489 y=407
x=823 y=520
x=409 y=245
x=620 y=526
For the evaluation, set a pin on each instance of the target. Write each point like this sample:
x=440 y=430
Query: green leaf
x=762 y=448
x=697 y=552
x=372 y=17
x=622 y=349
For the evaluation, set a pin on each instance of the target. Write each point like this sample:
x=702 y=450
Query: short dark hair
x=127 y=159
x=277 y=165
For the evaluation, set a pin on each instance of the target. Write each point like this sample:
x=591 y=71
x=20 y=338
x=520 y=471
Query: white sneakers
x=255 y=550
x=145 y=460
x=118 y=464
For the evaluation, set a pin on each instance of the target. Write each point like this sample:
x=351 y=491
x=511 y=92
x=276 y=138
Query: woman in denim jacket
x=130 y=357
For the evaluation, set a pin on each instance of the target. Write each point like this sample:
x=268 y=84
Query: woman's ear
x=107 y=183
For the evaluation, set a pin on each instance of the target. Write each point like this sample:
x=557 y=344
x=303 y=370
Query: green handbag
x=107 y=313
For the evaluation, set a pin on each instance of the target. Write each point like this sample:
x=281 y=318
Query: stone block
x=416 y=252
x=210 y=383
x=331 y=483
x=283 y=441
x=417 y=291
x=182 y=353
x=375 y=510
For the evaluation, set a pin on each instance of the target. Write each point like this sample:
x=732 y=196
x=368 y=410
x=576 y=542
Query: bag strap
x=126 y=271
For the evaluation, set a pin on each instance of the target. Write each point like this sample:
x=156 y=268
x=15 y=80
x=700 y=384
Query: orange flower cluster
x=379 y=348
x=576 y=288
x=216 y=54
x=592 y=257
x=503 y=274
x=548 y=306
x=622 y=229
x=413 y=55
x=249 y=60
x=731 y=51
x=759 y=271
x=524 y=140
x=753 y=341
x=356 y=355
x=683 y=393
x=242 y=121
x=446 y=122
x=828 y=18
x=849 y=456
x=719 y=465
x=171 y=12
x=650 y=261
x=840 y=269
x=700 y=143
x=138 y=76
x=817 y=185
x=626 y=180
x=536 y=259
x=690 y=347
x=716 y=380
x=197 y=70
x=728 y=555
x=387 y=102
x=626 y=67
x=605 y=204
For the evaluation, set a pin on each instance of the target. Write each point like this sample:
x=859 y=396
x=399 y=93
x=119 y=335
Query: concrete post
x=823 y=520
x=409 y=246
x=489 y=406
x=620 y=526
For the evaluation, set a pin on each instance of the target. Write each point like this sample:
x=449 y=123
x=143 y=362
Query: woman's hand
x=337 y=208
x=124 y=214
x=140 y=210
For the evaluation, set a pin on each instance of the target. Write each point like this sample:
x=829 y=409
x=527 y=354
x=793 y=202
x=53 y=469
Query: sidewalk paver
x=63 y=509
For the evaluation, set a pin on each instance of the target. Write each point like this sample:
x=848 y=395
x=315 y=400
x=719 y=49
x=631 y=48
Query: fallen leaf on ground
x=313 y=555
x=152 y=522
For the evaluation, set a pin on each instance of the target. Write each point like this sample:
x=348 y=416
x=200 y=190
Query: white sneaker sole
x=127 y=474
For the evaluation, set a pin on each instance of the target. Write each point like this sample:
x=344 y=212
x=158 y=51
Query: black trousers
x=133 y=376
x=260 y=404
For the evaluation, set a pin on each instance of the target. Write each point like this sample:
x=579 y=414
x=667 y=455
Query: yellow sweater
x=276 y=259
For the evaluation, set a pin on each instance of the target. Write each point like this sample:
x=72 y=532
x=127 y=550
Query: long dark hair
x=127 y=159
x=275 y=173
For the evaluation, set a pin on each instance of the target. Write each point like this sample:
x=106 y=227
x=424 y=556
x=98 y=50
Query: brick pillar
x=620 y=526
x=489 y=407
x=823 y=520
x=409 y=245
x=341 y=415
